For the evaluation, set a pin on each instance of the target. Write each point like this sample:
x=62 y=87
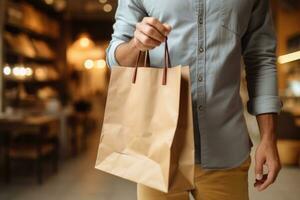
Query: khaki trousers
x=228 y=184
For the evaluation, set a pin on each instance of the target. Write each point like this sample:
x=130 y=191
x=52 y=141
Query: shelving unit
x=2 y=22
x=16 y=28
x=26 y=59
x=30 y=38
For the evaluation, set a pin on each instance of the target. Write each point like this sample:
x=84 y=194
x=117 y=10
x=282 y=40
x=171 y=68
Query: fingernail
x=166 y=25
x=259 y=176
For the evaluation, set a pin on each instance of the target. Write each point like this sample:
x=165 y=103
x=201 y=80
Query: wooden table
x=12 y=124
x=44 y=126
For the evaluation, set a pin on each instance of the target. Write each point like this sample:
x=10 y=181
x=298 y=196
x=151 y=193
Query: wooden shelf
x=290 y=97
x=41 y=5
x=17 y=29
x=25 y=59
x=32 y=81
x=13 y=54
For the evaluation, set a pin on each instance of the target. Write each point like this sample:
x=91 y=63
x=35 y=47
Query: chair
x=79 y=125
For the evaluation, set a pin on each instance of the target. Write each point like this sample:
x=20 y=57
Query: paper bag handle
x=167 y=63
x=146 y=59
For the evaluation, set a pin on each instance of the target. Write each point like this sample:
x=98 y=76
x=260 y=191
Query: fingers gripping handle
x=167 y=63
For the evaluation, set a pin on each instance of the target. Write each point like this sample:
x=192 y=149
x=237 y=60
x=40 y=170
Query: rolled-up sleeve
x=259 y=53
x=128 y=14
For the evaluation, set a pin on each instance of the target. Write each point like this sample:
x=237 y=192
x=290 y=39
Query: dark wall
x=98 y=30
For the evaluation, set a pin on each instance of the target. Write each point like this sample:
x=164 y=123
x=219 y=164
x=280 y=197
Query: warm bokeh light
x=49 y=2
x=40 y=74
x=29 y=71
x=289 y=57
x=7 y=70
x=100 y=63
x=102 y=1
x=84 y=42
x=19 y=71
x=83 y=49
x=89 y=64
x=107 y=7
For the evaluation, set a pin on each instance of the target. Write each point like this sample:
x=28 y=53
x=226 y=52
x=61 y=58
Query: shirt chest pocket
x=234 y=15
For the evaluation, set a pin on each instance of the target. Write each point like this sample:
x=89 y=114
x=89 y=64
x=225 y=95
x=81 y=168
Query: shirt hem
x=244 y=158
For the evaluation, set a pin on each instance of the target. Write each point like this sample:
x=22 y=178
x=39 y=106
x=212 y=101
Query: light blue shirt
x=211 y=36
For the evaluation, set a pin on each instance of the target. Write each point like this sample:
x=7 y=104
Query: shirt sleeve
x=128 y=14
x=259 y=53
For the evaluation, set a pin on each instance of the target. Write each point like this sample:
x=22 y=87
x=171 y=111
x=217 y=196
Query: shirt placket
x=201 y=51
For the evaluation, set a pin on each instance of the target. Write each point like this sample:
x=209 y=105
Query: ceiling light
x=102 y=1
x=107 y=7
x=289 y=57
x=84 y=42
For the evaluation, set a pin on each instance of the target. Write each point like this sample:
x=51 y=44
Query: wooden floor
x=76 y=180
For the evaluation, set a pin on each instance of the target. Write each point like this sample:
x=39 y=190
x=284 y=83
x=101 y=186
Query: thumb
x=168 y=27
x=259 y=163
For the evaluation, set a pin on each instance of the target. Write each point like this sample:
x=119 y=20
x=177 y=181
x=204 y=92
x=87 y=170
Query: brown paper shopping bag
x=147 y=133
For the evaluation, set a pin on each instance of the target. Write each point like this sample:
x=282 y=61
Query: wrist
x=268 y=137
x=133 y=46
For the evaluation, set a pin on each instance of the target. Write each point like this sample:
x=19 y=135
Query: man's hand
x=266 y=152
x=150 y=33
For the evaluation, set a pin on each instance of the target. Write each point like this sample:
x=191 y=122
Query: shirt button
x=201 y=49
x=200 y=21
x=200 y=78
x=200 y=107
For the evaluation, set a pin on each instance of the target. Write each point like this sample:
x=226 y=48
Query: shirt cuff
x=110 y=53
x=264 y=104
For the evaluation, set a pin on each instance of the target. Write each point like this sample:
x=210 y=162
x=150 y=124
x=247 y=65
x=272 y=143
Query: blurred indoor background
x=53 y=84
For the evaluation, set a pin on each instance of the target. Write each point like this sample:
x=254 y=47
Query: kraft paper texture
x=147 y=133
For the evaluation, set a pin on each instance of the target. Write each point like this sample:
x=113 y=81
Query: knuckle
x=152 y=20
x=148 y=40
x=158 y=43
x=145 y=40
x=149 y=31
x=277 y=166
x=139 y=26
